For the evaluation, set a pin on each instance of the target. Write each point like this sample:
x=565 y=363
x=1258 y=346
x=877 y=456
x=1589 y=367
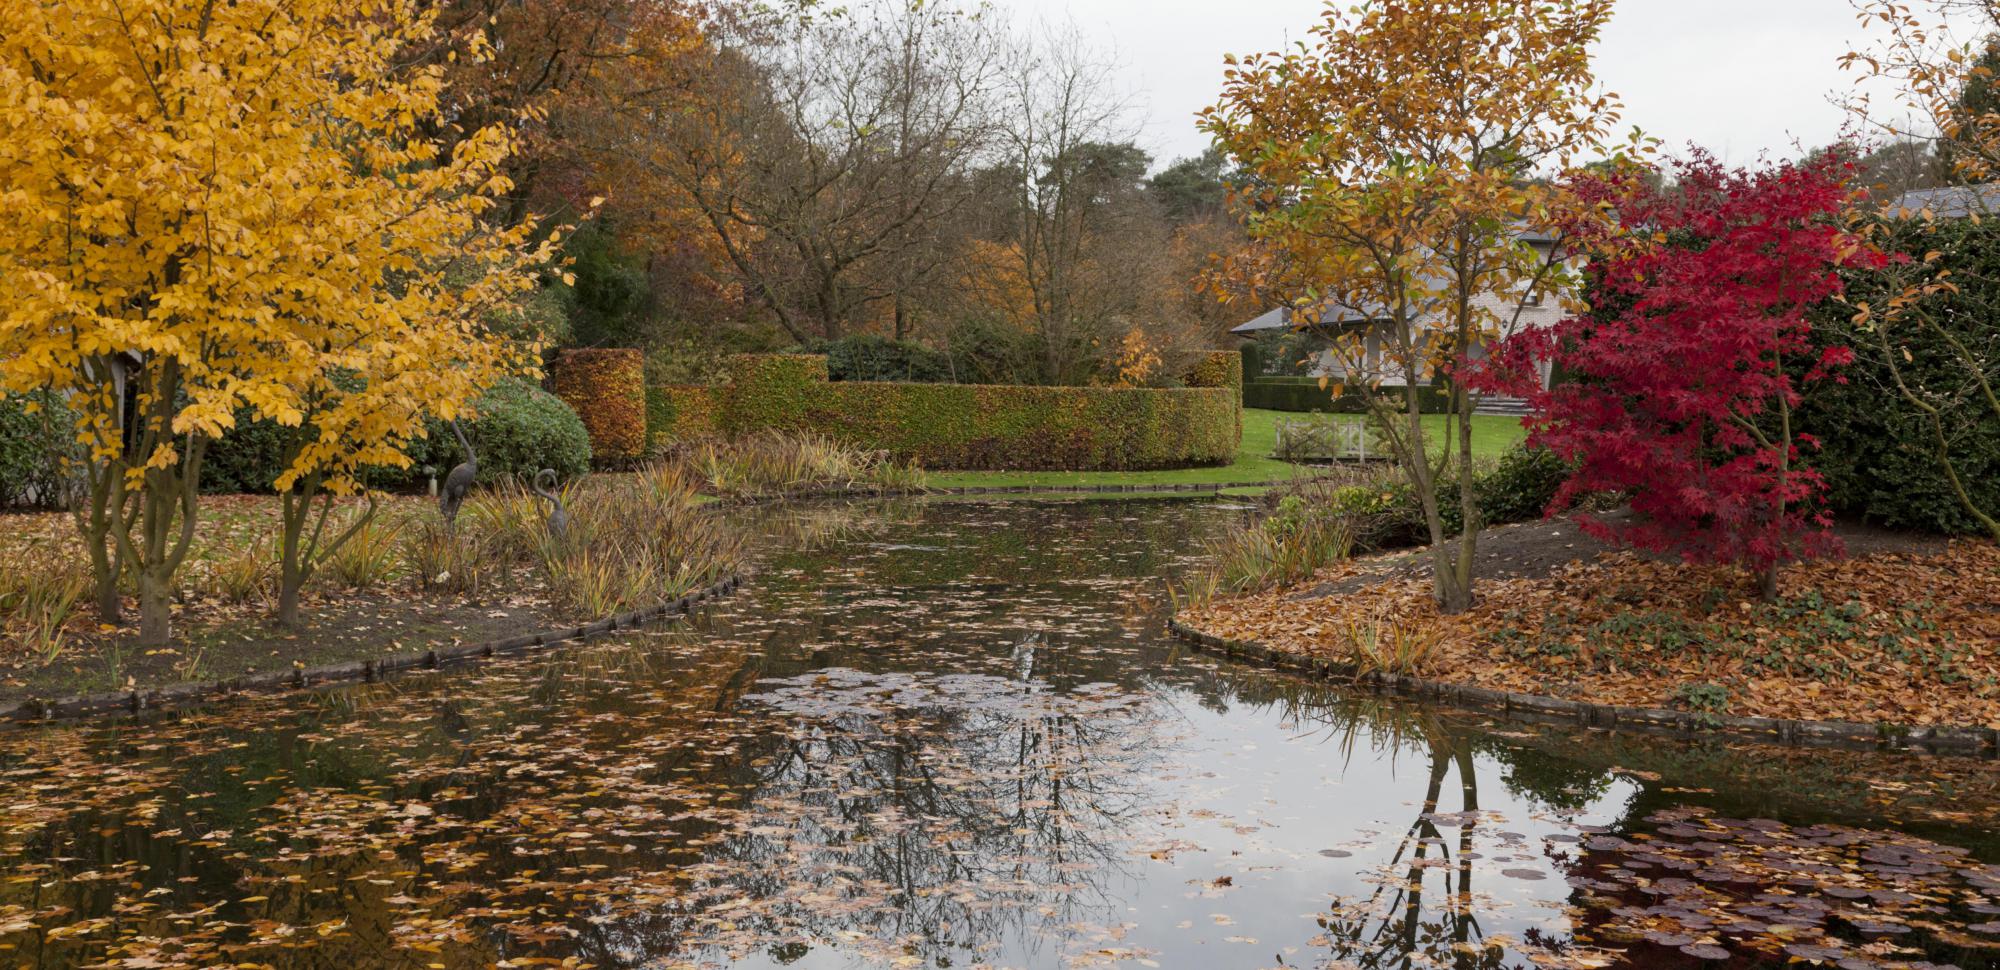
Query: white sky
x=1739 y=77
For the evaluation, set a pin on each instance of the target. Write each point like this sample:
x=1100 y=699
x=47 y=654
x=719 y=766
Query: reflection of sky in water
x=956 y=737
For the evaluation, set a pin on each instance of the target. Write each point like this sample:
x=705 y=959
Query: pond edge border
x=41 y=710
x=1976 y=742
x=34 y=710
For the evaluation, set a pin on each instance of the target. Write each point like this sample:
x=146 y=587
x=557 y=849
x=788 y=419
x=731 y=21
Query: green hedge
x=681 y=412
x=520 y=430
x=1879 y=454
x=31 y=450
x=972 y=426
x=965 y=426
x=1303 y=395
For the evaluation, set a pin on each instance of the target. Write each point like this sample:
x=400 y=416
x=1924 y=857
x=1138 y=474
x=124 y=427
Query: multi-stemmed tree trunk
x=1394 y=159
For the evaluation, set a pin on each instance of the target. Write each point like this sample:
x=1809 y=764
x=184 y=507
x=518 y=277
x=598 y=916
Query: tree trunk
x=1767 y=584
x=288 y=600
x=155 y=610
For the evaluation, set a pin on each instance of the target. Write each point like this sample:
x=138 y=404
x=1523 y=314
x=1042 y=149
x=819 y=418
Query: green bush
x=1879 y=453
x=1521 y=486
x=520 y=430
x=31 y=450
x=248 y=459
x=872 y=358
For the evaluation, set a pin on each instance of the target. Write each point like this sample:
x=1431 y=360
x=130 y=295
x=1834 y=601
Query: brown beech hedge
x=607 y=389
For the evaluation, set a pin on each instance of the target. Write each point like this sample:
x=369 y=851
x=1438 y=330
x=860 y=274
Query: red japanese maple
x=1679 y=386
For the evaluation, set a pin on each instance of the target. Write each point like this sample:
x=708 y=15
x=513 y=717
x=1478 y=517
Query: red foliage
x=1681 y=382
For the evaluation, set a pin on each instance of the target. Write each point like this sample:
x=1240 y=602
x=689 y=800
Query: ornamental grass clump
x=1390 y=645
x=38 y=596
x=776 y=463
x=634 y=542
x=368 y=558
x=1298 y=540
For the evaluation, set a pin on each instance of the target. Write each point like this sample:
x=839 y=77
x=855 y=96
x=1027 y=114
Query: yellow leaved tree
x=214 y=207
x=1399 y=162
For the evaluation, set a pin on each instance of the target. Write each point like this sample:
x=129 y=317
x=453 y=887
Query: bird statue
x=558 y=515
x=458 y=484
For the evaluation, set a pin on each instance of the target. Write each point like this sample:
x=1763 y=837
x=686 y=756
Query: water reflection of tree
x=1411 y=919
x=946 y=828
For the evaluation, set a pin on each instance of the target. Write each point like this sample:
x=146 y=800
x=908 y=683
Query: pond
x=956 y=735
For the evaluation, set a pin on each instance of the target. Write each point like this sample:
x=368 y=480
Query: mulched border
x=1979 y=742
x=38 y=710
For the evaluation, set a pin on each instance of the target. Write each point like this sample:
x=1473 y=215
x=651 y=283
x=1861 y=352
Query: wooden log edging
x=40 y=710
x=1978 y=742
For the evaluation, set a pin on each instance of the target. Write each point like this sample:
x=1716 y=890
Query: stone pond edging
x=1980 y=742
x=299 y=678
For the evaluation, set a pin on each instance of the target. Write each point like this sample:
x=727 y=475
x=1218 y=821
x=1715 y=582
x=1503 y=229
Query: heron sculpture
x=558 y=514
x=458 y=484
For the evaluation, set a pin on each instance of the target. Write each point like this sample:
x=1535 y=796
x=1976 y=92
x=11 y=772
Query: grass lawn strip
x=1491 y=437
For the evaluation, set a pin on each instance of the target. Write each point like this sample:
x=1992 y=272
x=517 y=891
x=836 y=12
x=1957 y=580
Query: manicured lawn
x=1491 y=436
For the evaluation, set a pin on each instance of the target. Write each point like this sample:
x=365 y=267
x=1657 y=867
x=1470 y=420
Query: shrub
x=873 y=358
x=520 y=430
x=247 y=459
x=1521 y=487
x=31 y=450
x=1218 y=368
x=1878 y=452
x=607 y=389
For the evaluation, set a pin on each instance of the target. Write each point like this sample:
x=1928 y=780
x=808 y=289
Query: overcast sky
x=1739 y=77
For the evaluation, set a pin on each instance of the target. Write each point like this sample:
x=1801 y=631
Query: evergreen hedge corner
x=606 y=387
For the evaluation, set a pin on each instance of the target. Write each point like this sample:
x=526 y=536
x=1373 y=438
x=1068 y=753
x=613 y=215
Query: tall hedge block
x=607 y=389
x=1218 y=368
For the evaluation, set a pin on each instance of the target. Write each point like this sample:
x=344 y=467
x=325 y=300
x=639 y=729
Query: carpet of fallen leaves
x=959 y=738
x=1891 y=638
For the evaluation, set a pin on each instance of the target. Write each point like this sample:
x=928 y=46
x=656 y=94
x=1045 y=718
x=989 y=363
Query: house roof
x=1342 y=317
x=1950 y=202
x=1286 y=318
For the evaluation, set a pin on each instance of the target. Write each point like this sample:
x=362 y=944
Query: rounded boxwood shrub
x=520 y=430
x=31 y=449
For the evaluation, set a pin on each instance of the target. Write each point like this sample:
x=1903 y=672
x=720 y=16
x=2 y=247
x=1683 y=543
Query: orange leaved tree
x=216 y=206
x=1396 y=161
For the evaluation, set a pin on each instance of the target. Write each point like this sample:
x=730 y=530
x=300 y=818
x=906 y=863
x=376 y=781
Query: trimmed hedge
x=1304 y=395
x=1218 y=368
x=965 y=426
x=682 y=412
x=606 y=387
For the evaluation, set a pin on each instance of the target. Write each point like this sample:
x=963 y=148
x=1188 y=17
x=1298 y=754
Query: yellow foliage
x=246 y=200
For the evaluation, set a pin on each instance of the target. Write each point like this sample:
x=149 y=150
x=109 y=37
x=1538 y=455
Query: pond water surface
x=956 y=735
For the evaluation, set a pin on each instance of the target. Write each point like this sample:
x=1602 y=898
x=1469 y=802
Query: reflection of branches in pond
x=938 y=813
